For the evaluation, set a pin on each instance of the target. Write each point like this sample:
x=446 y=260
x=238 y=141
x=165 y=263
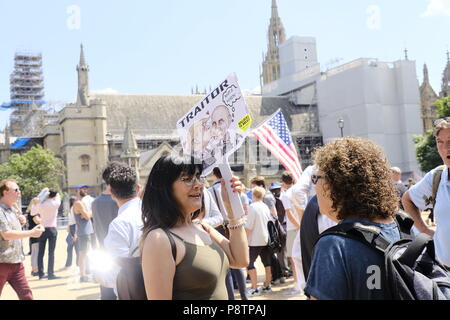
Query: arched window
x=85 y=160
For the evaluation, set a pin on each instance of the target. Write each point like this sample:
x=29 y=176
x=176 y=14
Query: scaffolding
x=26 y=88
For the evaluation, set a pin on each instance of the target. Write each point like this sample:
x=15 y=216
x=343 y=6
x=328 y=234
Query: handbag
x=130 y=280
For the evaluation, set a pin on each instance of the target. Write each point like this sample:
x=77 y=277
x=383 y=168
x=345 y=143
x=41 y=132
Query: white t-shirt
x=257 y=219
x=286 y=198
x=441 y=210
x=87 y=201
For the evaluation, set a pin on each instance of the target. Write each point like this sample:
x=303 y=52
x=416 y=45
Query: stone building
x=428 y=96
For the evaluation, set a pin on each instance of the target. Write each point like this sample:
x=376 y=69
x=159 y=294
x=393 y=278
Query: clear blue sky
x=168 y=46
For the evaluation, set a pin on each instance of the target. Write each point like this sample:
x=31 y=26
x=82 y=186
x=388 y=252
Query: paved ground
x=69 y=287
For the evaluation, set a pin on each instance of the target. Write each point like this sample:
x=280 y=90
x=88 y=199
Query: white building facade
x=377 y=100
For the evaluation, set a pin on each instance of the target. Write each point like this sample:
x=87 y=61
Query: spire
x=406 y=54
x=82 y=59
x=83 y=80
x=129 y=146
x=274 y=9
x=426 y=78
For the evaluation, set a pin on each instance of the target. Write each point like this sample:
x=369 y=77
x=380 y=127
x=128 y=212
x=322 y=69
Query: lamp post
x=341 y=126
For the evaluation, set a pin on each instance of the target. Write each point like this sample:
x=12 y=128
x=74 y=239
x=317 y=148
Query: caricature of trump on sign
x=216 y=126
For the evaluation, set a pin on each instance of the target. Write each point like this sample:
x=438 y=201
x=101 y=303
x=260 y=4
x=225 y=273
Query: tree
x=426 y=149
x=34 y=170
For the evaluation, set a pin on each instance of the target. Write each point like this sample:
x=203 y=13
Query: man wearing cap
x=48 y=211
x=85 y=229
x=420 y=196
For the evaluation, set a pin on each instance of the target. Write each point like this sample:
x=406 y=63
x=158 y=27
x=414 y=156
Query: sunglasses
x=315 y=178
x=190 y=182
x=440 y=121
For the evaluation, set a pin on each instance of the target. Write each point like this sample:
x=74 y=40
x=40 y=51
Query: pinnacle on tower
x=446 y=79
x=83 y=80
x=129 y=147
x=425 y=74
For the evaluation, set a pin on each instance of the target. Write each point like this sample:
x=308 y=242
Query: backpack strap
x=436 y=181
x=404 y=223
x=172 y=244
x=367 y=235
x=415 y=249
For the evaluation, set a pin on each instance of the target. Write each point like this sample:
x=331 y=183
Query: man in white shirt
x=48 y=210
x=292 y=224
x=418 y=197
x=125 y=231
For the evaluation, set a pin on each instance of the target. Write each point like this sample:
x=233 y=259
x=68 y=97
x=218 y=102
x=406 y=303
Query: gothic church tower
x=427 y=98
x=276 y=36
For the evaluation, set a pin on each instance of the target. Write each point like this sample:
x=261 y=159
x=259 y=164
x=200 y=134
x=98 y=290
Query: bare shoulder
x=156 y=239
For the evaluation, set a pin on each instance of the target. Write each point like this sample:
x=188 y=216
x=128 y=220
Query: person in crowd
x=104 y=211
x=268 y=199
x=233 y=275
x=292 y=226
x=420 y=196
x=125 y=231
x=48 y=210
x=353 y=184
x=33 y=221
x=275 y=189
x=87 y=201
x=171 y=201
x=71 y=240
x=85 y=231
x=258 y=239
x=399 y=186
x=244 y=199
x=11 y=235
x=410 y=183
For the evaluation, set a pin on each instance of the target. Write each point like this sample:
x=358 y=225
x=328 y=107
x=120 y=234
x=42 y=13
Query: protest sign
x=216 y=127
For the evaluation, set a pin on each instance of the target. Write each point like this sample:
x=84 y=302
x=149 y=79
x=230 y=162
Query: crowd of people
x=193 y=245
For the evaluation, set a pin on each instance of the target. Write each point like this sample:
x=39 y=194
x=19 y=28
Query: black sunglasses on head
x=315 y=178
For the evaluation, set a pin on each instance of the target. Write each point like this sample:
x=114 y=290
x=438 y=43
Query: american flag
x=274 y=134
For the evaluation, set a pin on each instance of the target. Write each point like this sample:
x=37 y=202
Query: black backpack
x=411 y=269
x=277 y=235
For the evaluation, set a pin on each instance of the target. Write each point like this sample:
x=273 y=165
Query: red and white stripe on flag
x=286 y=153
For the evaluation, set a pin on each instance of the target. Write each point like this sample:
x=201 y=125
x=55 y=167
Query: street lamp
x=341 y=126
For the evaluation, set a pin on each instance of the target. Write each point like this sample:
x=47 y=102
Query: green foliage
x=34 y=170
x=426 y=149
x=443 y=107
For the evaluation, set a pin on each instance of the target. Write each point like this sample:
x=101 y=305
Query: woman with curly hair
x=353 y=185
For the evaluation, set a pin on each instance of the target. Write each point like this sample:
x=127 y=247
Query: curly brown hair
x=358 y=177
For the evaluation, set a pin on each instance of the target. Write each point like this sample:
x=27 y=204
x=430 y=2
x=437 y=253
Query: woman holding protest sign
x=181 y=259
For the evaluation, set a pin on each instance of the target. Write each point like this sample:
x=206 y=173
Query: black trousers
x=50 y=235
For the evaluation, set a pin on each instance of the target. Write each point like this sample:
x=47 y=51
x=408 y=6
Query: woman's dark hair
x=72 y=200
x=159 y=206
